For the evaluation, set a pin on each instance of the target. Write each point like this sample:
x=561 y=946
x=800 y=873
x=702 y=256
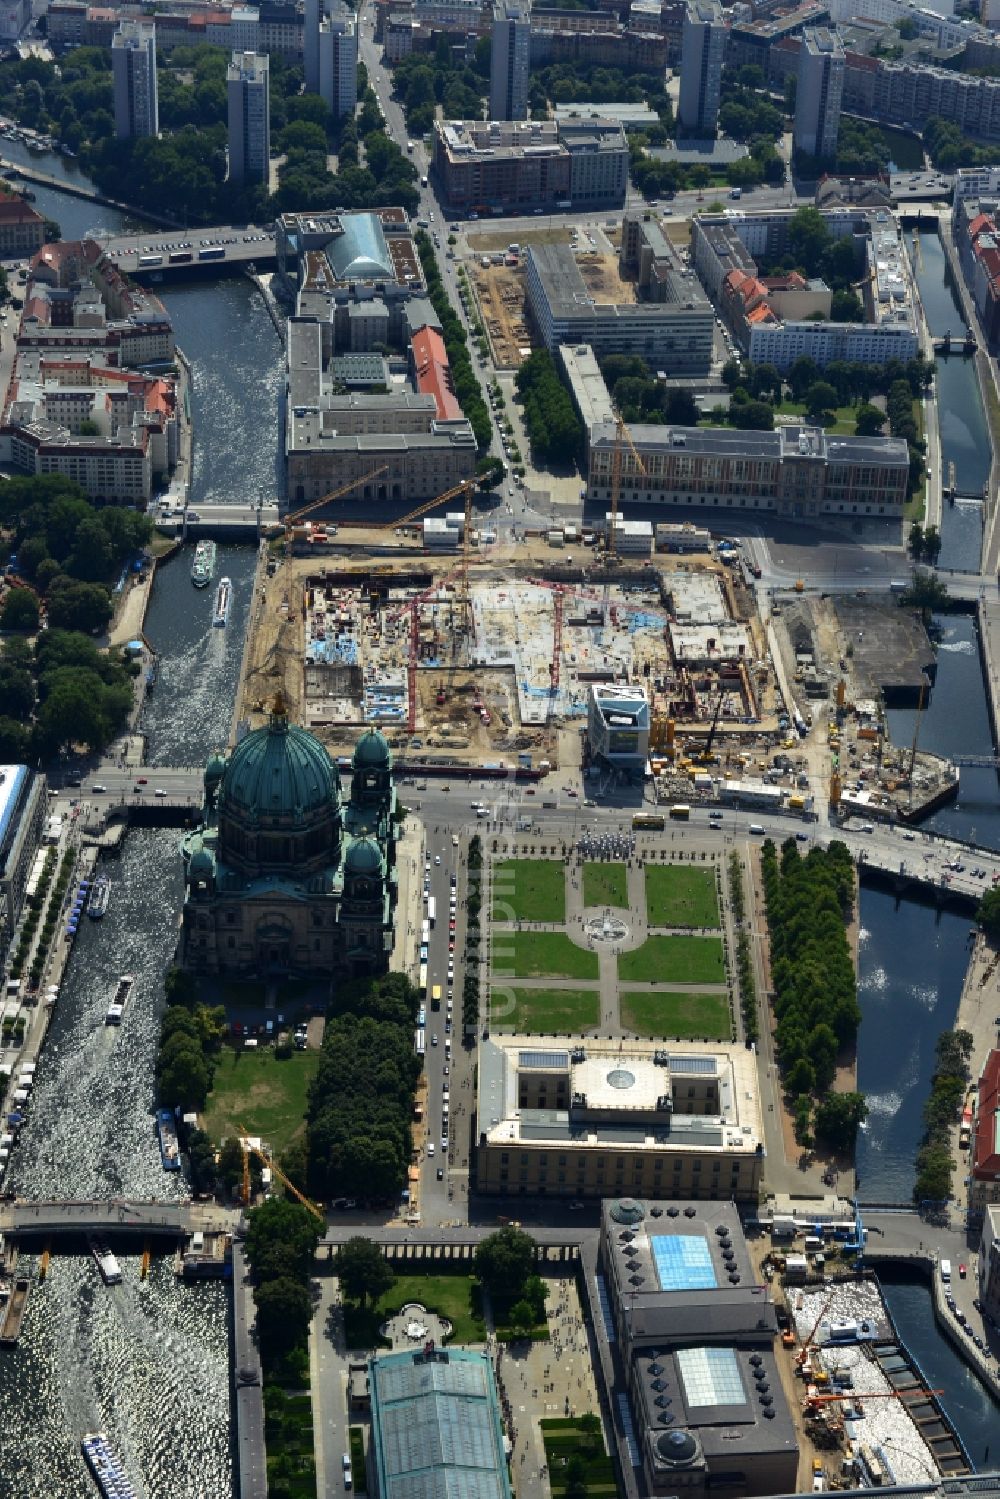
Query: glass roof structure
x=683 y=1262
x=360 y=253
x=710 y=1376
x=436 y=1431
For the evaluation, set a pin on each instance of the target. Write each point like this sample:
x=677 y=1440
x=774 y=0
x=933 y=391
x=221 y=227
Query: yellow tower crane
x=622 y=436
x=248 y=1149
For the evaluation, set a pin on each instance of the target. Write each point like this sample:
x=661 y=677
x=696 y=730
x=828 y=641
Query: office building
x=22 y=817
x=695 y=1334
x=819 y=94
x=248 y=85
x=703 y=51
x=133 y=71
x=510 y=60
x=584 y=1116
x=618 y=724
x=338 y=61
x=795 y=472
x=673 y=332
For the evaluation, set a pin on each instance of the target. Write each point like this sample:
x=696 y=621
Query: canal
x=146 y=1361
x=964 y=431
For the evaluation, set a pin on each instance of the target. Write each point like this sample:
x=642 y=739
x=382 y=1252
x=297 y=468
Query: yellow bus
x=436 y=997
x=680 y=811
x=654 y=820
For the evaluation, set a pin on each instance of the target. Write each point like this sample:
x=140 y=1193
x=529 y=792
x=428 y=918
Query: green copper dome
x=281 y=771
x=201 y=865
x=372 y=752
x=364 y=857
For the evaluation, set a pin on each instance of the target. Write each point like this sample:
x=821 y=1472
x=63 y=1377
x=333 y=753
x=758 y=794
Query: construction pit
x=500 y=293
x=395 y=645
x=846 y=661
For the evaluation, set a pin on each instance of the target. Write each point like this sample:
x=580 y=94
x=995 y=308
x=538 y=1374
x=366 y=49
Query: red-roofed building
x=433 y=373
x=984 y=1184
x=978 y=242
x=22 y=228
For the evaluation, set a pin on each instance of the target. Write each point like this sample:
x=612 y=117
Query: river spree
x=146 y=1361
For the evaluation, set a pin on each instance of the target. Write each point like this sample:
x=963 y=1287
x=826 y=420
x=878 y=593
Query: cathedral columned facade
x=284 y=877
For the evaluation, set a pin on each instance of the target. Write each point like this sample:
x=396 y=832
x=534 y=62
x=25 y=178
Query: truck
x=146 y=261
x=409 y=148
x=214 y=252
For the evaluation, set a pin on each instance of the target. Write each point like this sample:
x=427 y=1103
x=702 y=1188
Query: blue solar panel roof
x=683 y=1262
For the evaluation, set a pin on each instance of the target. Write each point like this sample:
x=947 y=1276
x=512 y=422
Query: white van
x=757 y=828
x=945 y=1268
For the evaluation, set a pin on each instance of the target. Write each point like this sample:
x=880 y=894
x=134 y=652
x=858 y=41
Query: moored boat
x=13 y=1313
x=166 y=1130
x=116 y=1008
x=100 y=895
x=203 y=566
x=223 y=598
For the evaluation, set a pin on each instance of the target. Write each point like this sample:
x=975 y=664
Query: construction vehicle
x=248 y=1149
x=293 y=516
x=706 y=756
x=622 y=435
x=802 y=1357
x=815 y=1398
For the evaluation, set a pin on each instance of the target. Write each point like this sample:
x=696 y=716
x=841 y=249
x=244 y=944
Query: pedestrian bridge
x=126 y=1222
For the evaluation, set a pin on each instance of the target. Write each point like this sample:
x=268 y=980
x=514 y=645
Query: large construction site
x=485 y=658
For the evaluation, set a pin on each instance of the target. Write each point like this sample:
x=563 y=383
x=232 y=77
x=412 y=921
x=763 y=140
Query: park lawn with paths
x=564 y=1438
x=256 y=1091
x=605 y=885
x=529 y=890
x=679 y=896
x=652 y=1012
x=288 y=1426
x=530 y=955
x=547 y=1010
x=453 y=1296
x=674 y=960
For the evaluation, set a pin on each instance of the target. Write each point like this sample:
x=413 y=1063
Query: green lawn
x=565 y=1439
x=529 y=955
x=252 y=1089
x=549 y=1010
x=605 y=885
x=529 y=890
x=842 y=419
x=674 y=960
x=678 y=896
x=693 y=1016
x=452 y=1296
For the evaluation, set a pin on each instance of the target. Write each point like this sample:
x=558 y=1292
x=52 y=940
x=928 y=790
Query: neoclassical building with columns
x=283 y=876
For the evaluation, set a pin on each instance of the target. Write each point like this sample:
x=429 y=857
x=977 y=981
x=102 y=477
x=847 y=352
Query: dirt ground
x=500 y=293
x=557 y=235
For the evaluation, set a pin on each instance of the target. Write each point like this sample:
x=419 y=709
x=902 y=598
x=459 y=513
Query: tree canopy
x=281 y=1240
x=363 y=1270
x=504 y=1261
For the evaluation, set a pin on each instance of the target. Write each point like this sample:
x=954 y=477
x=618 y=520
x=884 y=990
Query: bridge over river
x=126 y=1222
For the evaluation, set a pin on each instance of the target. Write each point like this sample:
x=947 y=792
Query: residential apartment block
x=510 y=59
x=338 y=61
x=249 y=100
x=819 y=93
x=703 y=52
x=976 y=233
x=507 y=166
x=133 y=71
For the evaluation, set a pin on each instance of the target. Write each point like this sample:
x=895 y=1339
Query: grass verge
x=688 y=1016
x=674 y=960
x=547 y=1010
x=358 y=1464
x=677 y=896
x=531 y=955
x=529 y=890
x=566 y=1441
x=254 y=1089
x=605 y=885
